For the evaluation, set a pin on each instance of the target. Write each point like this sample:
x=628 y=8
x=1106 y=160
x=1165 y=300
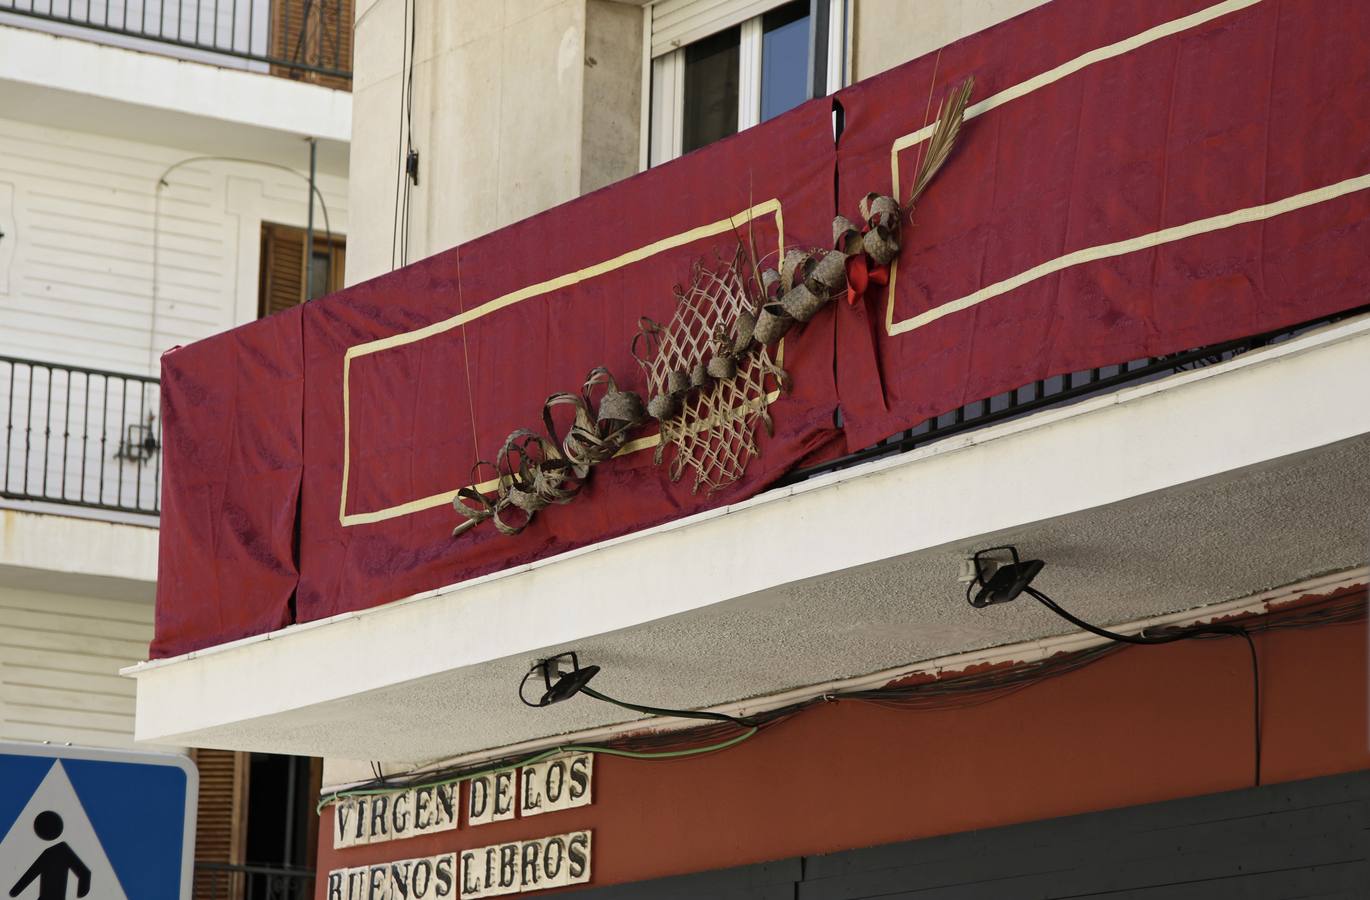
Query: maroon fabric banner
x=1151 y=177
x=1133 y=179
x=232 y=426
x=549 y=299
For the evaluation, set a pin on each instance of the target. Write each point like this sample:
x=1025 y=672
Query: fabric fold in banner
x=232 y=413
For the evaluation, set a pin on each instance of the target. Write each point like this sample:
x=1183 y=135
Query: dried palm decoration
x=709 y=370
x=708 y=400
x=534 y=471
x=869 y=251
x=707 y=376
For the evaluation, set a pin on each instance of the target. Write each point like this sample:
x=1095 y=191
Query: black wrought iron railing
x=295 y=36
x=1059 y=390
x=220 y=881
x=80 y=437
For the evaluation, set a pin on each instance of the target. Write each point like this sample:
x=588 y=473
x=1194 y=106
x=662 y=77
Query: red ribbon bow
x=861 y=274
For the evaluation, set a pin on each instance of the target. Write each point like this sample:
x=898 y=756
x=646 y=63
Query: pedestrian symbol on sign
x=94 y=824
x=52 y=844
x=53 y=866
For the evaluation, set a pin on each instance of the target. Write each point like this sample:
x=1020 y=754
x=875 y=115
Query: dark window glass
x=711 y=88
x=320 y=273
x=280 y=799
x=784 y=59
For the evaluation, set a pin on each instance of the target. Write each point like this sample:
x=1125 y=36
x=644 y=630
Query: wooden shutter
x=676 y=23
x=283 y=264
x=221 y=820
x=283 y=261
x=314 y=32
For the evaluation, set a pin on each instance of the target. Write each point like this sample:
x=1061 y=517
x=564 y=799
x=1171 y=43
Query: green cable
x=537 y=758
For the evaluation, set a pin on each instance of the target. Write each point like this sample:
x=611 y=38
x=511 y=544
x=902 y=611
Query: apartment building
x=1013 y=545
x=156 y=168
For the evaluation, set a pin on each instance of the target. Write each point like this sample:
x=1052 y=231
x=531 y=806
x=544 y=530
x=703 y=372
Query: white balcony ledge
x=82 y=556
x=67 y=82
x=1194 y=489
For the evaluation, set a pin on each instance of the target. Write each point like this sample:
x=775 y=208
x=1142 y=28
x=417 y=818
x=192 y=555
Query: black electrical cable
x=406 y=70
x=522 y=698
x=410 y=177
x=966 y=691
x=743 y=721
x=1169 y=637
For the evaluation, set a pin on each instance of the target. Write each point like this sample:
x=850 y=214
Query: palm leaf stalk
x=950 y=115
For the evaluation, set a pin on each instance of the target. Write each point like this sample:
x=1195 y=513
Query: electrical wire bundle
x=407 y=174
x=949 y=693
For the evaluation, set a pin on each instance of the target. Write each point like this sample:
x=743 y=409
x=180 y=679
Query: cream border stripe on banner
x=1141 y=242
x=560 y=282
x=1022 y=89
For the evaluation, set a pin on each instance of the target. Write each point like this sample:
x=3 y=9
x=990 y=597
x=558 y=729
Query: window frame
x=663 y=76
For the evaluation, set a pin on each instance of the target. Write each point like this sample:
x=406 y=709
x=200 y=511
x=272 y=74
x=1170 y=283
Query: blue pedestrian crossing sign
x=98 y=824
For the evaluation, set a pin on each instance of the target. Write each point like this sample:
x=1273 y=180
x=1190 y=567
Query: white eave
x=68 y=82
x=1201 y=487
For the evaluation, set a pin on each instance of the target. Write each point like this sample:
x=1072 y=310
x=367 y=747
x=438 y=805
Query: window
x=709 y=110
x=282 y=267
x=719 y=67
x=784 y=59
x=256 y=832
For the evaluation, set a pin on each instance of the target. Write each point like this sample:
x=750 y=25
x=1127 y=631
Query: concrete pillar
x=517 y=107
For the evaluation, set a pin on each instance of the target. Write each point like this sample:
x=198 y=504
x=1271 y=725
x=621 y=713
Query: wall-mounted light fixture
x=139 y=443
x=567 y=684
x=564 y=683
x=1000 y=582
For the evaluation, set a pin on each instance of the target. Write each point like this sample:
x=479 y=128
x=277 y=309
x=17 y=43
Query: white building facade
x=148 y=167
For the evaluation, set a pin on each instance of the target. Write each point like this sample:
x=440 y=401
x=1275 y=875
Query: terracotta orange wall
x=1141 y=725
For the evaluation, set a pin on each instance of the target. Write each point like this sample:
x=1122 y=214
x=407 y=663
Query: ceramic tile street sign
x=102 y=824
x=561 y=782
x=425 y=878
x=369 y=819
x=522 y=866
x=555 y=784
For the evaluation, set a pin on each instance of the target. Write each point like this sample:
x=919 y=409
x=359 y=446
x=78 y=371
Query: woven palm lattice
x=722 y=382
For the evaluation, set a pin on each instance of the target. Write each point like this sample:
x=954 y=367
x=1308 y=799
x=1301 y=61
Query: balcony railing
x=220 y=881
x=80 y=437
x=288 y=37
x=1057 y=391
